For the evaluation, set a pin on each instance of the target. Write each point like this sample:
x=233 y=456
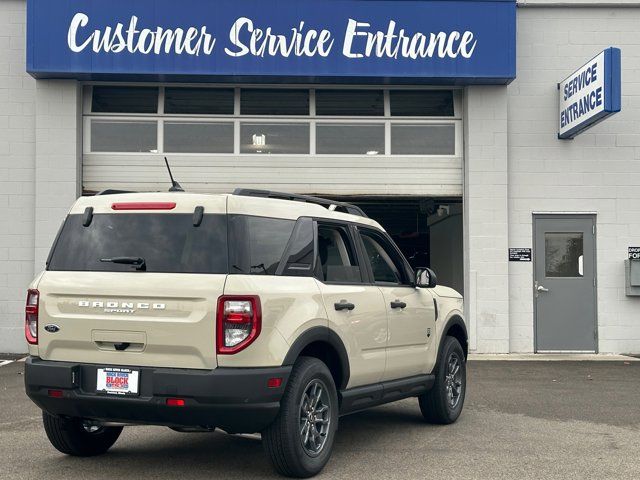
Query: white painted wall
x=17 y=175
x=599 y=171
x=485 y=227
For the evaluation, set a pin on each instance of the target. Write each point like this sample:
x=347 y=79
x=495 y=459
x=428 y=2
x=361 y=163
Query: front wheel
x=443 y=403
x=75 y=436
x=300 y=440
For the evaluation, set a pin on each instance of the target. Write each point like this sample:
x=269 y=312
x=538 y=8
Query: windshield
x=166 y=242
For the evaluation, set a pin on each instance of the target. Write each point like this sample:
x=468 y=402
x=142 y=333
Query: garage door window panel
x=123 y=136
x=108 y=99
x=274 y=138
x=198 y=101
x=198 y=137
x=349 y=139
x=423 y=139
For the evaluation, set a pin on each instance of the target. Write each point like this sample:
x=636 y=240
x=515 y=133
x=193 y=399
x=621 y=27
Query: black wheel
x=300 y=439
x=443 y=403
x=75 y=436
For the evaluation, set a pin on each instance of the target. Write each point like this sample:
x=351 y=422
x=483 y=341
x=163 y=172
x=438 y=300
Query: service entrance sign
x=590 y=94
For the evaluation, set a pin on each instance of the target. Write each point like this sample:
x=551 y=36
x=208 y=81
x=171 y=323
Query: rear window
x=169 y=243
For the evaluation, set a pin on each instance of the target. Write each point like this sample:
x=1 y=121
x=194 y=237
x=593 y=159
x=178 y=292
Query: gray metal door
x=565 y=283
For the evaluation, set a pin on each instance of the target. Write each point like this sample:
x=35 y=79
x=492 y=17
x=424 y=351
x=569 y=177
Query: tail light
x=31 y=316
x=238 y=320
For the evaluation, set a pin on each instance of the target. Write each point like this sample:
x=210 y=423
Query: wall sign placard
x=461 y=41
x=590 y=94
x=634 y=253
x=519 y=254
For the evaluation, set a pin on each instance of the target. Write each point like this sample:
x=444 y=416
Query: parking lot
x=521 y=420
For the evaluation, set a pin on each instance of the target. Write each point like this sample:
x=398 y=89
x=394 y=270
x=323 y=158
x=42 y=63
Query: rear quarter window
x=168 y=243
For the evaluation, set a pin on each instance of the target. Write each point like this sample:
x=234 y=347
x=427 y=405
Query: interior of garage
x=428 y=230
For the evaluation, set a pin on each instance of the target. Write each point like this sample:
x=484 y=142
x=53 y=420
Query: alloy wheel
x=315 y=417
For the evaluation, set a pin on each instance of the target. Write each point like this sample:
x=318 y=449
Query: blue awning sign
x=449 y=41
x=590 y=94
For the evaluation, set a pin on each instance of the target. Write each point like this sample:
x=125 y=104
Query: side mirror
x=426 y=278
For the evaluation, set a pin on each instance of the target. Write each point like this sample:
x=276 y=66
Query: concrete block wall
x=599 y=171
x=57 y=159
x=17 y=175
x=486 y=219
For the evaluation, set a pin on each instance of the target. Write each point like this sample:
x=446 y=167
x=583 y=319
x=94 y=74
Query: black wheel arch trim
x=457 y=321
x=321 y=334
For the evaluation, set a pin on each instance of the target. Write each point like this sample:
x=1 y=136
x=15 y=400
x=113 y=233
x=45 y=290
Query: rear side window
x=257 y=243
x=168 y=243
x=337 y=261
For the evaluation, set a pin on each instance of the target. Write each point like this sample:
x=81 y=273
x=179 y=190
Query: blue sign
x=590 y=94
x=392 y=41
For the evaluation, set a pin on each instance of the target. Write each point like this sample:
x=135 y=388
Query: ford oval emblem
x=51 y=328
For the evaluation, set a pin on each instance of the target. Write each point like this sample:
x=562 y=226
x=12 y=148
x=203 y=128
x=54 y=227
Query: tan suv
x=251 y=312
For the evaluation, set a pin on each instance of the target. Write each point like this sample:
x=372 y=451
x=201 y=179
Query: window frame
x=350 y=232
x=395 y=255
x=312 y=119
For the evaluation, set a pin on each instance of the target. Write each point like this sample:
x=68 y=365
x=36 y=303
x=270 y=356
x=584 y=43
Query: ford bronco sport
x=250 y=312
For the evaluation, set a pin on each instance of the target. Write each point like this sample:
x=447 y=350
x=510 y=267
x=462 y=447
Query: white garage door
x=337 y=140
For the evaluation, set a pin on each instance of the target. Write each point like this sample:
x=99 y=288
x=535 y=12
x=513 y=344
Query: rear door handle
x=398 y=304
x=344 y=305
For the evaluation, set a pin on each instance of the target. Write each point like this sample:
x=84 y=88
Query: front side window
x=168 y=243
x=336 y=258
x=385 y=268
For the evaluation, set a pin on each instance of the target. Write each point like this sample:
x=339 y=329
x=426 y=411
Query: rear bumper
x=236 y=400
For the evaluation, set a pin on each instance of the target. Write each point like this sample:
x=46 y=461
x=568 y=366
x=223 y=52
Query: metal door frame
x=568 y=215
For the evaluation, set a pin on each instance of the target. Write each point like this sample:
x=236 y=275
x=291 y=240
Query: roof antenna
x=175 y=186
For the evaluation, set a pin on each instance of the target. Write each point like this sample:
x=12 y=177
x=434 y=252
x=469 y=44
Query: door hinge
x=593 y=229
x=594 y=281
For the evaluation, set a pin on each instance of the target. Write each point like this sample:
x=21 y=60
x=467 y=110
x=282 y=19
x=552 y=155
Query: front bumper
x=236 y=400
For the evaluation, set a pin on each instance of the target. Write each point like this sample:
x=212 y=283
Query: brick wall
x=17 y=186
x=598 y=172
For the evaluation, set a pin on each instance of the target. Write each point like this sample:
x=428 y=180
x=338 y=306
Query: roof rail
x=330 y=204
x=111 y=191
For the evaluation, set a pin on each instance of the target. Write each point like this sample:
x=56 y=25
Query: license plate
x=118 y=381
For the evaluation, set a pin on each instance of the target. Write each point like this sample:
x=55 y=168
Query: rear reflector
x=274 y=383
x=143 y=206
x=55 y=393
x=175 y=402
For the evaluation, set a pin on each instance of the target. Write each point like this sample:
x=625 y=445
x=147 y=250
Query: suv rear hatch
x=161 y=313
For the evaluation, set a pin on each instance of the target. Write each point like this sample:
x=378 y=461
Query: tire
x=443 y=403
x=70 y=436
x=289 y=441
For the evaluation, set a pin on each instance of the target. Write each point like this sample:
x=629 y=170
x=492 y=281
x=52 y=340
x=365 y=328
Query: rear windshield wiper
x=139 y=262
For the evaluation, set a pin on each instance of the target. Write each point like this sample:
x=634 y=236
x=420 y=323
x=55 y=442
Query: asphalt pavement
x=521 y=420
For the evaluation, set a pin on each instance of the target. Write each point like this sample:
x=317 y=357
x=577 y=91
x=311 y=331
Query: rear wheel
x=300 y=440
x=78 y=437
x=443 y=403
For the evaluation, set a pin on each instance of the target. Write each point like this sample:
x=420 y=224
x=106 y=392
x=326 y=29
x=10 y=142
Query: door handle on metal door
x=542 y=289
x=344 y=305
x=398 y=304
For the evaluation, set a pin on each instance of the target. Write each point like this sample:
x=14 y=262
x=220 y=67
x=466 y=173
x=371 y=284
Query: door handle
x=344 y=305
x=542 y=289
x=398 y=304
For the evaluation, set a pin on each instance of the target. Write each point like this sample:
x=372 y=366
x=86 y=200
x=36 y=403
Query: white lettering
x=78 y=20
x=245 y=38
x=301 y=42
x=394 y=43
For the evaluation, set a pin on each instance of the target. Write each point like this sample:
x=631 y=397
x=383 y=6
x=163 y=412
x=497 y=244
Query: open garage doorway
x=428 y=230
